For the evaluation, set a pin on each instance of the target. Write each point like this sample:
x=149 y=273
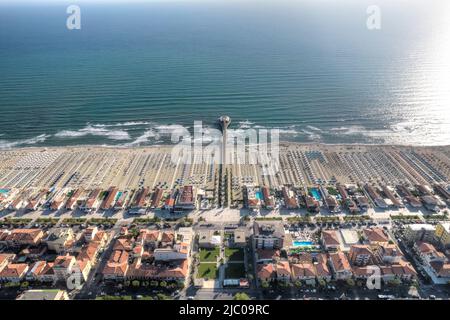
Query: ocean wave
x=245 y=124
x=314 y=128
x=4 y=144
x=350 y=130
x=143 y=139
x=151 y=133
x=312 y=136
x=120 y=124
x=94 y=131
x=169 y=129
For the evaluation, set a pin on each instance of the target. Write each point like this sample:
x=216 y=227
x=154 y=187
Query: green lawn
x=207 y=270
x=234 y=254
x=235 y=271
x=209 y=255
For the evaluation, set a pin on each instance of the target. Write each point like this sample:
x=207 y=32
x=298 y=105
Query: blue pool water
x=258 y=195
x=4 y=191
x=302 y=243
x=316 y=194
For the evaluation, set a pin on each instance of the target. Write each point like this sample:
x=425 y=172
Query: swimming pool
x=297 y=243
x=258 y=195
x=4 y=191
x=315 y=193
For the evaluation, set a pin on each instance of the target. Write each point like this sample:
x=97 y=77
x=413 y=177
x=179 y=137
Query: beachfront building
x=139 y=201
x=394 y=201
x=442 y=192
x=187 y=199
x=269 y=200
x=156 y=198
x=312 y=204
x=253 y=199
x=72 y=202
x=375 y=196
x=92 y=202
x=108 y=202
x=362 y=202
x=290 y=199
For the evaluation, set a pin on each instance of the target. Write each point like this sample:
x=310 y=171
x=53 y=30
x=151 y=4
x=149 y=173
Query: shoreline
x=283 y=144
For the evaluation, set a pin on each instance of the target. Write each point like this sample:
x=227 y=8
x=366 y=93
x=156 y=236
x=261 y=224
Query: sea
x=312 y=69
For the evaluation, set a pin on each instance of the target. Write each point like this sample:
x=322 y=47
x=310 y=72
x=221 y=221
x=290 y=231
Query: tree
x=180 y=284
x=172 y=286
x=163 y=284
x=162 y=296
x=241 y=296
x=264 y=284
x=298 y=284
x=154 y=283
x=394 y=282
x=135 y=283
x=322 y=283
x=351 y=282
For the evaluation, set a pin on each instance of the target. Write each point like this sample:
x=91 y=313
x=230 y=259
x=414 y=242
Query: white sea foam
x=120 y=124
x=94 y=131
x=4 y=144
x=314 y=128
x=169 y=129
x=245 y=124
x=144 y=138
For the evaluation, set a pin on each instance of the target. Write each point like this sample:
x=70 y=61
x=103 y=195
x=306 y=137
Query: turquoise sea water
x=309 y=68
